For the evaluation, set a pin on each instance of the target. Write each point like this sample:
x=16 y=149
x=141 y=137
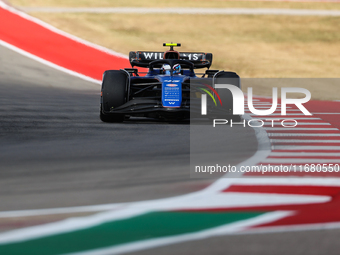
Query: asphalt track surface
x=55 y=152
x=294 y=243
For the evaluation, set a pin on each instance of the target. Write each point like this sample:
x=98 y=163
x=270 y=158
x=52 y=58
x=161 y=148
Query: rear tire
x=114 y=94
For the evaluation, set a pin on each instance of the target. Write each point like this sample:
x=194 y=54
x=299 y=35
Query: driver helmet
x=177 y=69
x=165 y=69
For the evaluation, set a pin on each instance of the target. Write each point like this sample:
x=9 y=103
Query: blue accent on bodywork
x=172 y=90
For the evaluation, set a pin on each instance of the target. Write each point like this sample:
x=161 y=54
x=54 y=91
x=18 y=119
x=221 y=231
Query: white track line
x=143 y=205
x=317 y=181
x=301 y=134
x=313 y=123
x=292 y=129
x=227 y=229
x=278 y=115
x=61 y=32
x=326 y=113
x=198 y=200
x=304 y=154
x=303 y=141
x=265 y=107
x=301 y=227
x=298 y=124
x=204 y=11
x=269 y=104
x=50 y=64
x=302 y=160
x=65 y=210
x=293 y=110
x=300 y=148
x=277 y=112
x=284 y=118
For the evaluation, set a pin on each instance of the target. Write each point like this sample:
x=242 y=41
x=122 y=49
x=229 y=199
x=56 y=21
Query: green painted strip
x=208 y=92
x=142 y=227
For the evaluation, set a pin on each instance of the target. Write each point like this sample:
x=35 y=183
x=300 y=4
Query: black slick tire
x=114 y=94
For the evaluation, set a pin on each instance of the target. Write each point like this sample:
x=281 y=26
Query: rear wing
x=143 y=58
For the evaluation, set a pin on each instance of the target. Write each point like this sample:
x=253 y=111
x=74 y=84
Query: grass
x=173 y=3
x=251 y=45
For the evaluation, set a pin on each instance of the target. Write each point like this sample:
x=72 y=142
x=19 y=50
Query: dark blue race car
x=170 y=89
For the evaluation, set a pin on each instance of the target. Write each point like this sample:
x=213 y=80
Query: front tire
x=114 y=94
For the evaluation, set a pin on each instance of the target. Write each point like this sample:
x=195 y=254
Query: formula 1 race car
x=170 y=89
